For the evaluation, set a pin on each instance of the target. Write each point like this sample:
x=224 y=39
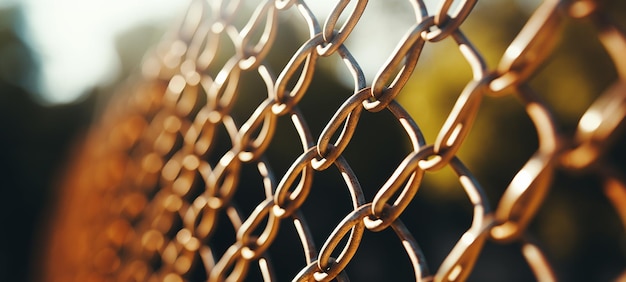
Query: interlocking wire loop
x=188 y=146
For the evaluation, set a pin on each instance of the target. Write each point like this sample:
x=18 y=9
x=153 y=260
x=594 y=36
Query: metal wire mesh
x=161 y=188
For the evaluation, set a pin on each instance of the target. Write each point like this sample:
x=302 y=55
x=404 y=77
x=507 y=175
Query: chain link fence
x=218 y=163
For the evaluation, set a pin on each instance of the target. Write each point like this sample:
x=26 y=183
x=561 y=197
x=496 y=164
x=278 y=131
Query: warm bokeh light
x=75 y=40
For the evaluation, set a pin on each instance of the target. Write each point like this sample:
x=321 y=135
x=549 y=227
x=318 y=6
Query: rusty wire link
x=413 y=250
x=334 y=39
x=528 y=188
x=252 y=56
x=404 y=58
x=348 y=112
x=530 y=48
x=305 y=56
x=184 y=147
x=599 y=123
x=353 y=223
x=447 y=23
x=538 y=262
x=457 y=126
x=287 y=202
x=408 y=171
x=459 y=263
x=348 y=115
x=262 y=117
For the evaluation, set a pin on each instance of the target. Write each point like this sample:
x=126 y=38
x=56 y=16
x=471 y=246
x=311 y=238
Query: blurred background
x=60 y=61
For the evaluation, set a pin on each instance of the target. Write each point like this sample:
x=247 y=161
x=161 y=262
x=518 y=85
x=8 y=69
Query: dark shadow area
x=35 y=142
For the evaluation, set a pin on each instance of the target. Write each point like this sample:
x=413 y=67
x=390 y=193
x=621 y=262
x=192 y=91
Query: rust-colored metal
x=158 y=186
